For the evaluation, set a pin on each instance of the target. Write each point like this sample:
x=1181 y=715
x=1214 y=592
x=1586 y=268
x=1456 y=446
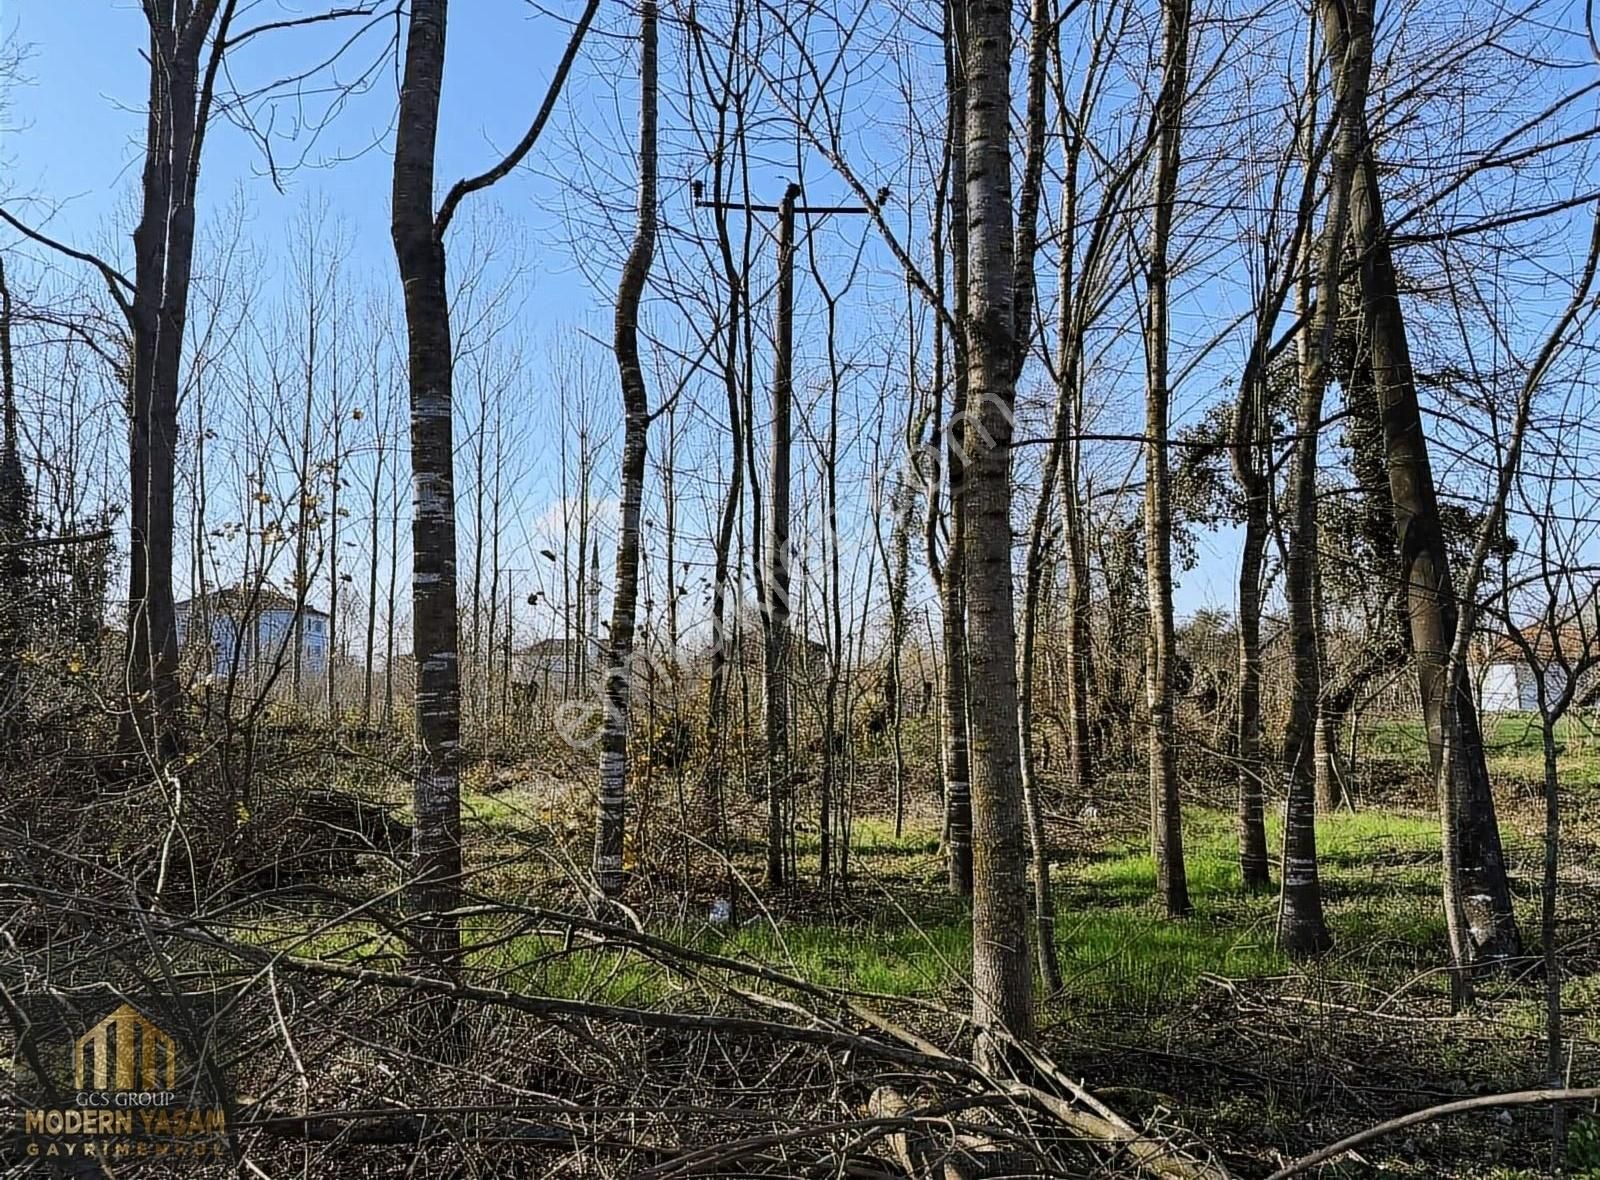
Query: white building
x=242 y=630
x=1506 y=680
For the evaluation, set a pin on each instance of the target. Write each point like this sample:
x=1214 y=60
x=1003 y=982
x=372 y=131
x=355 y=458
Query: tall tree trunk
x=957 y=753
x=610 y=819
x=1251 y=459
x=669 y=511
x=305 y=494
x=715 y=775
x=393 y=594
x=957 y=719
x=380 y=445
x=1027 y=239
x=775 y=579
x=419 y=250
x=436 y=841
x=335 y=477
x=1069 y=420
x=492 y=707
x=1301 y=927
x=16 y=510
x=1555 y=1076
x=1166 y=815
x=1080 y=656
x=1043 y=896
x=163 y=243
x=476 y=691
x=1424 y=574
x=1002 y=975
x=898 y=576
x=1389 y=649
x=833 y=784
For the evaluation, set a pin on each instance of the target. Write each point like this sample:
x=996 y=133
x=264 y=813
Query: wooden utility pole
x=775 y=583
x=772 y=562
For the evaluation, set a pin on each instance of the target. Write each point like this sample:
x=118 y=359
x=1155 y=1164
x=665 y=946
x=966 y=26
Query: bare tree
x=419 y=248
x=1459 y=907
x=951 y=574
x=1166 y=813
x=1044 y=915
x=1477 y=870
x=610 y=819
x=1560 y=650
x=380 y=454
x=1301 y=928
x=727 y=94
x=419 y=242
x=15 y=511
x=773 y=573
x=1002 y=976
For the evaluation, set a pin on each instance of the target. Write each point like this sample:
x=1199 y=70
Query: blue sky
x=72 y=154
x=80 y=127
x=74 y=151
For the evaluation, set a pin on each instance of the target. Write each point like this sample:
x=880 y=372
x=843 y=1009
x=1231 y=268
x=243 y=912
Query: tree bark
x=957 y=751
x=1555 y=1076
x=898 y=575
x=335 y=477
x=1253 y=857
x=1425 y=579
x=1302 y=929
x=1044 y=910
x=380 y=444
x=163 y=244
x=1002 y=975
x=1166 y=813
x=714 y=778
x=436 y=840
x=16 y=509
x=610 y=821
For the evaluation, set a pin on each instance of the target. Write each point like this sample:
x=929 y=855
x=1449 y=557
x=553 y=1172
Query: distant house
x=547 y=669
x=555 y=669
x=248 y=629
x=1505 y=680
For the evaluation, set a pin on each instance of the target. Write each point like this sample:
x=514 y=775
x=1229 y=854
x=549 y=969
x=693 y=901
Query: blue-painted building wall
x=274 y=638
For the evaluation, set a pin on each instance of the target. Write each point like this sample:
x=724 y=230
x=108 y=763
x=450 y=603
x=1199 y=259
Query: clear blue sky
x=79 y=126
x=73 y=153
x=76 y=140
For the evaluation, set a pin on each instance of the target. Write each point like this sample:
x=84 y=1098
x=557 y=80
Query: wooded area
x=876 y=590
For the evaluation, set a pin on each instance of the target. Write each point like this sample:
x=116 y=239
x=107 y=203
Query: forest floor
x=1198 y=1022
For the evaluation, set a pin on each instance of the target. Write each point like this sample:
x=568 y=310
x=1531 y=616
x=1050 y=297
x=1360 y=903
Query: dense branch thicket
x=1057 y=459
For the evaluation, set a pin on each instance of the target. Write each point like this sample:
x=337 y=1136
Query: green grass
x=1139 y=960
x=1116 y=950
x=1513 y=745
x=897 y=958
x=509 y=811
x=541 y=964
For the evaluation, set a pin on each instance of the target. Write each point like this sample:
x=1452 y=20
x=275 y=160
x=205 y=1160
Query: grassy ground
x=1514 y=744
x=1201 y=1020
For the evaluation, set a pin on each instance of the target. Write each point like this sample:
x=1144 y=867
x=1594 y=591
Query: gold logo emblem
x=126 y=1051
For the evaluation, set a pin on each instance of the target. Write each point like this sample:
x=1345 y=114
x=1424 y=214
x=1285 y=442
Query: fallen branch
x=902 y=1048
x=1154 y=1155
x=1486 y=1102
